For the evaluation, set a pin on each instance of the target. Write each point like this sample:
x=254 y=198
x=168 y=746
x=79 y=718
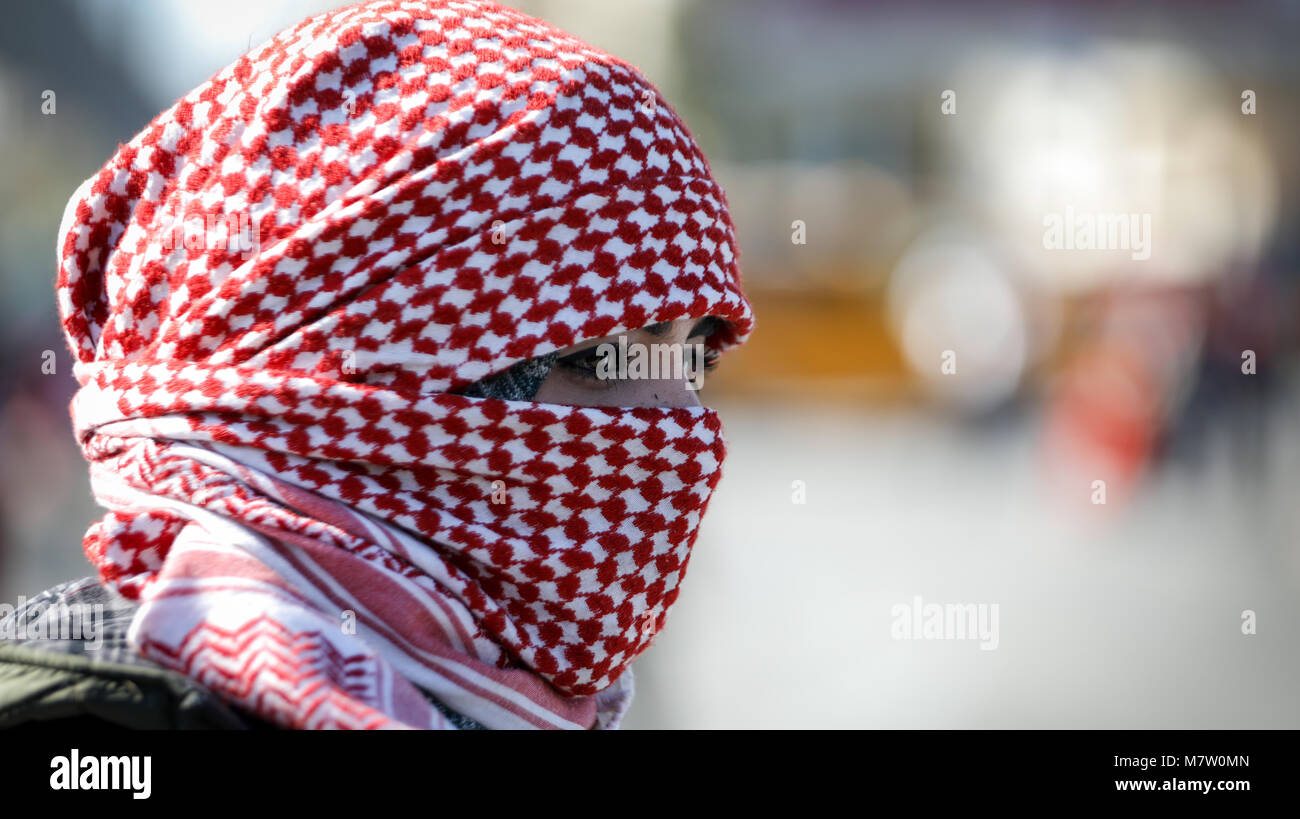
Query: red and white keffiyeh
x=313 y=524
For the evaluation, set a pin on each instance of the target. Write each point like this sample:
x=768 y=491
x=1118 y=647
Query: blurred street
x=1109 y=619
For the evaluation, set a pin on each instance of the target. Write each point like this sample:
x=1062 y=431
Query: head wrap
x=273 y=294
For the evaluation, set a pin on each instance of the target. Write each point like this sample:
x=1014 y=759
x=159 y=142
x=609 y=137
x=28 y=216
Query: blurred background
x=932 y=394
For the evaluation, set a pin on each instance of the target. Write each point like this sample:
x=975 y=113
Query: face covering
x=276 y=295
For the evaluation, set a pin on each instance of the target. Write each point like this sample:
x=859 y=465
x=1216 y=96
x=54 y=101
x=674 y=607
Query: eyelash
x=583 y=364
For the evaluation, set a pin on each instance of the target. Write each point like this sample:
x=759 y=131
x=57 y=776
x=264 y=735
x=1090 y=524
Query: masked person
x=332 y=316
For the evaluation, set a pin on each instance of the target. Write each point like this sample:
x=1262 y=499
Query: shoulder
x=64 y=658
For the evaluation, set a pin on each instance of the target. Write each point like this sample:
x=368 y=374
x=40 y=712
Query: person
x=337 y=319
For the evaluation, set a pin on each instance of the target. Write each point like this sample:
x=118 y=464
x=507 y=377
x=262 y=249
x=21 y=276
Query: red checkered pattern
x=313 y=523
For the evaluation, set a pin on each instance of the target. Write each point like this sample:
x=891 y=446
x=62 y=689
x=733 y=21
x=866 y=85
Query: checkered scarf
x=273 y=293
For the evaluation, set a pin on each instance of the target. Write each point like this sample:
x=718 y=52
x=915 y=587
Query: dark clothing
x=80 y=681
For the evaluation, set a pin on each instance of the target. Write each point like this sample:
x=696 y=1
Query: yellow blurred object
x=816 y=345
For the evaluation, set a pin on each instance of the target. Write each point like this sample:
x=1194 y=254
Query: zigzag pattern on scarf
x=274 y=671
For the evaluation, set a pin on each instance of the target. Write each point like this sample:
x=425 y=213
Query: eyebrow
x=704 y=327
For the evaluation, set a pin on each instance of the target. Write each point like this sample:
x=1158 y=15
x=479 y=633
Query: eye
x=711 y=357
x=701 y=358
x=583 y=363
x=588 y=365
